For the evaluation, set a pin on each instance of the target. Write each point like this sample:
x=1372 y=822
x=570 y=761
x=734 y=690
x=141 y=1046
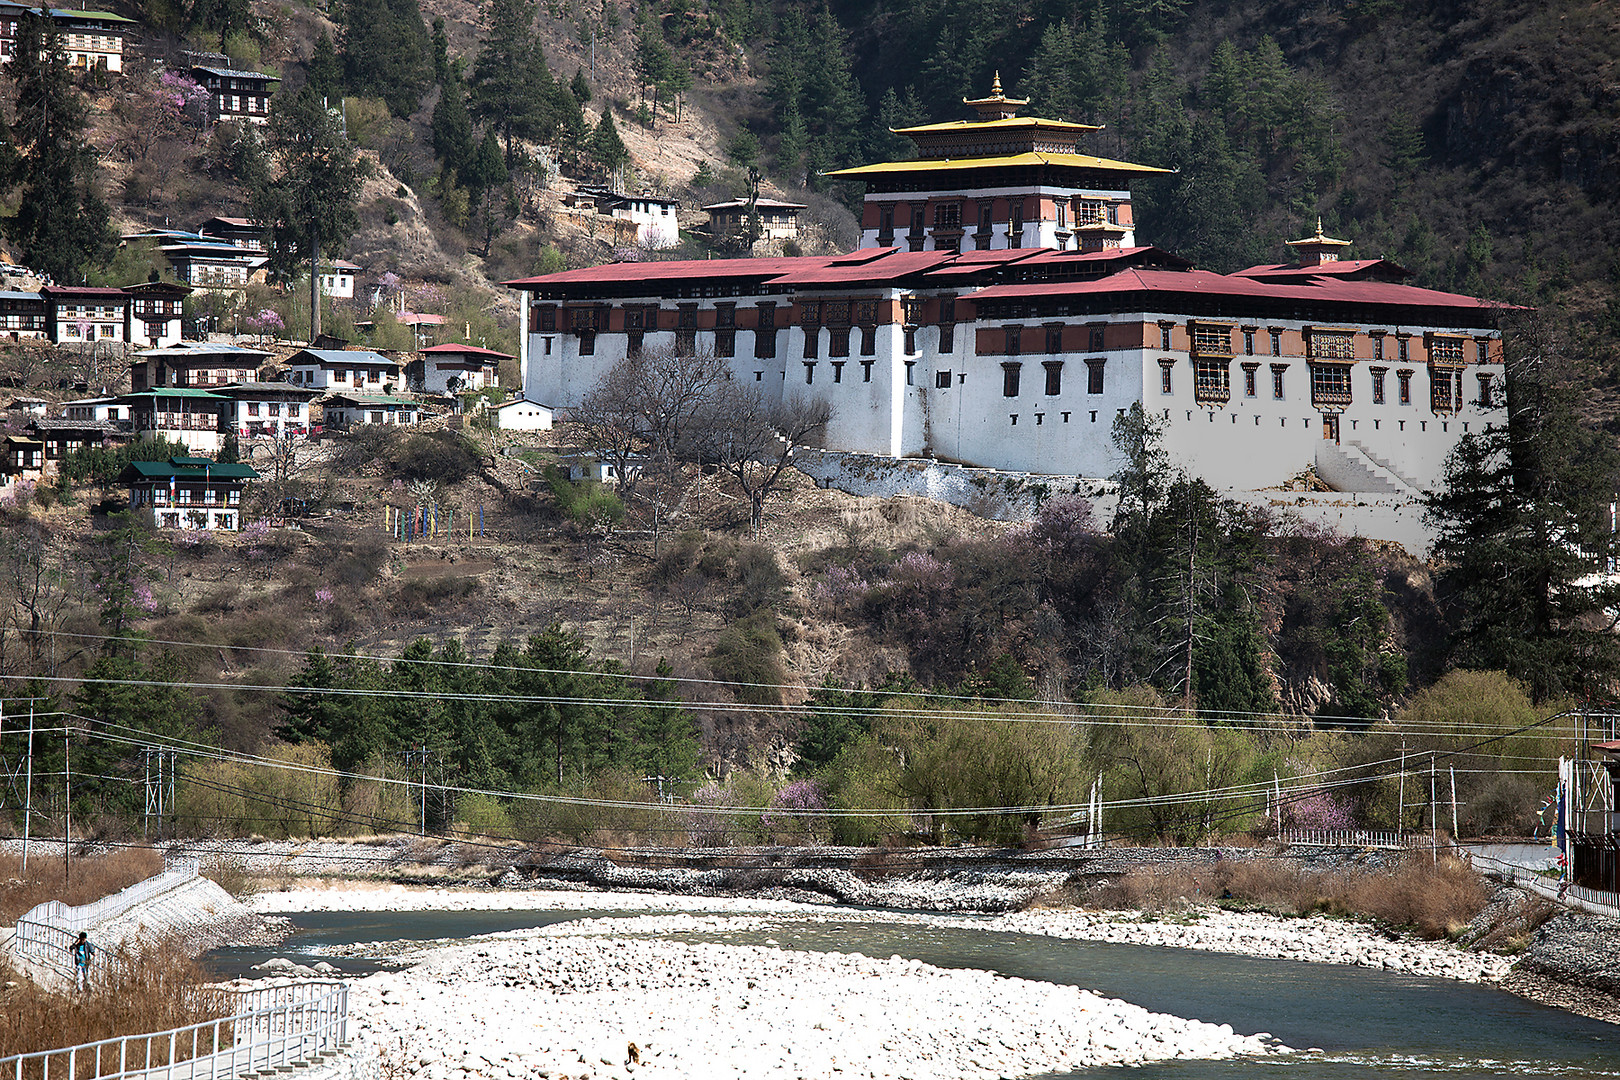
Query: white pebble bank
x=571 y=1004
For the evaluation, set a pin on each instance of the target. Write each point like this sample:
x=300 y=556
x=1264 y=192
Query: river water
x=1358 y=1022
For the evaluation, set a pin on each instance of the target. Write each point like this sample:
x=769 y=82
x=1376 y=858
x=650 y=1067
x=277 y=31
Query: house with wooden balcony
x=86 y=315
x=267 y=410
x=22 y=315
x=344 y=411
x=188 y=492
x=357 y=370
x=774 y=220
x=242 y=96
x=186 y=415
x=196 y=364
x=156 y=310
x=454 y=369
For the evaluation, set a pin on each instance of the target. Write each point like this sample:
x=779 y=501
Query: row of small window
x=1011 y=377
x=1330 y=383
x=273 y=408
x=184 y=496
x=1054 y=339
x=1336 y=345
x=341 y=375
x=199 y=521
x=89 y=332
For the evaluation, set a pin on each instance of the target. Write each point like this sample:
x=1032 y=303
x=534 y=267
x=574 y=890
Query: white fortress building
x=1000 y=312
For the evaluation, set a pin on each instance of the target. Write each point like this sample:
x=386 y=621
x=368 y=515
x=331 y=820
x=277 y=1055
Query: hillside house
x=338 y=278
x=181 y=414
x=209 y=264
x=22 y=457
x=777 y=220
x=22 y=315
x=155 y=313
x=520 y=414
x=359 y=370
x=653 y=216
x=454 y=369
x=243 y=96
x=196 y=363
x=28 y=406
x=979 y=322
x=91 y=40
x=188 y=493
x=243 y=232
x=95 y=410
x=61 y=436
x=83 y=314
x=343 y=411
x=267 y=409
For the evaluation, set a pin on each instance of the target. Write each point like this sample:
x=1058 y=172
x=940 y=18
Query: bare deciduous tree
x=753 y=438
x=637 y=418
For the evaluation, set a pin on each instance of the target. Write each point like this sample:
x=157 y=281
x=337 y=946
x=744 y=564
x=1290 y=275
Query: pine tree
x=222 y=17
x=1523 y=531
x=581 y=86
x=61 y=225
x=324 y=72
x=452 y=127
x=441 y=52
x=387 y=52
x=607 y=147
x=310 y=203
x=512 y=88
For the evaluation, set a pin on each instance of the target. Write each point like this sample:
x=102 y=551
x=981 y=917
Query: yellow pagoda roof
x=1004 y=124
x=1318 y=240
x=1076 y=161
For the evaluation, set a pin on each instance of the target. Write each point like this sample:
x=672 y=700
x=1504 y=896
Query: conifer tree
x=606 y=146
x=512 y=88
x=581 y=86
x=61 y=225
x=452 y=127
x=386 y=52
x=324 y=72
x=308 y=201
x=1524 y=531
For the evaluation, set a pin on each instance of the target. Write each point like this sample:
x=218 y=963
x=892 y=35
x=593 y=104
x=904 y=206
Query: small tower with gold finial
x=1318 y=249
x=997 y=106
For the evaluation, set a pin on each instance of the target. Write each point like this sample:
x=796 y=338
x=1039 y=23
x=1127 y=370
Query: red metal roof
x=1607 y=747
x=1202 y=282
x=895 y=264
x=468 y=350
x=697 y=269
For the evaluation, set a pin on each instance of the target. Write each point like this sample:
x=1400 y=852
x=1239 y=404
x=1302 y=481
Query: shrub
x=444 y=457
x=748 y=655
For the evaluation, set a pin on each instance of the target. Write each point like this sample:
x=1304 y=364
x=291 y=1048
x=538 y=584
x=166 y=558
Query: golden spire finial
x=1318 y=225
x=995 y=84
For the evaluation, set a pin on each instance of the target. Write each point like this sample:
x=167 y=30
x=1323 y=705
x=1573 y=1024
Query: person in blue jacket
x=82 y=951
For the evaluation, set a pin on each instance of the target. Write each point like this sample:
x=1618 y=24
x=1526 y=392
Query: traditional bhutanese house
x=454 y=369
x=155 y=313
x=243 y=96
x=243 y=232
x=95 y=409
x=343 y=411
x=83 y=314
x=28 y=406
x=978 y=323
x=653 y=216
x=196 y=363
x=338 y=277
x=267 y=409
x=188 y=492
x=777 y=220
x=23 y=459
x=93 y=39
x=520 y=414
x=213 y=265
x=186 y=415
x=62 y=436
x=343 y=369
x=22 y=315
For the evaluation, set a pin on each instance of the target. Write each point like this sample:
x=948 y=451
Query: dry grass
x=1436 y=899
x=160 y=989
x=92 y=878
x=232 y=876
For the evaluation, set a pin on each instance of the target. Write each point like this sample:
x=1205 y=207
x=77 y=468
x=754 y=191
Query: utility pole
x=67 y=807
x=1400 y=807
x=28 y=790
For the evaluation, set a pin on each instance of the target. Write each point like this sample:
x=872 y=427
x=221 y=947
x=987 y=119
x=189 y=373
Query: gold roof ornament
x=997 y=106
x=1318 y=249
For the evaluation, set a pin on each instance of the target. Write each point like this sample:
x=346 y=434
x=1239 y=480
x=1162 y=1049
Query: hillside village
x=963 y=404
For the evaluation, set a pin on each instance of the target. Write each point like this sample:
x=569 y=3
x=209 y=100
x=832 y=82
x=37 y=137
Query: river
x=1361 y=1022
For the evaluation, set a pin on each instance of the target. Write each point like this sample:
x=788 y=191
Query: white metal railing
x=1364 y=838
x=1597 y=901
x=273 y=1028
x=46 y=931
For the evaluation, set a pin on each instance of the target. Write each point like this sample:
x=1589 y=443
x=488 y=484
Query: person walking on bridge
x=82 y=951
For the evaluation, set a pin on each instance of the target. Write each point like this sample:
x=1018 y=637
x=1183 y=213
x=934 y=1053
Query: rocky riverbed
x=586 y=1000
